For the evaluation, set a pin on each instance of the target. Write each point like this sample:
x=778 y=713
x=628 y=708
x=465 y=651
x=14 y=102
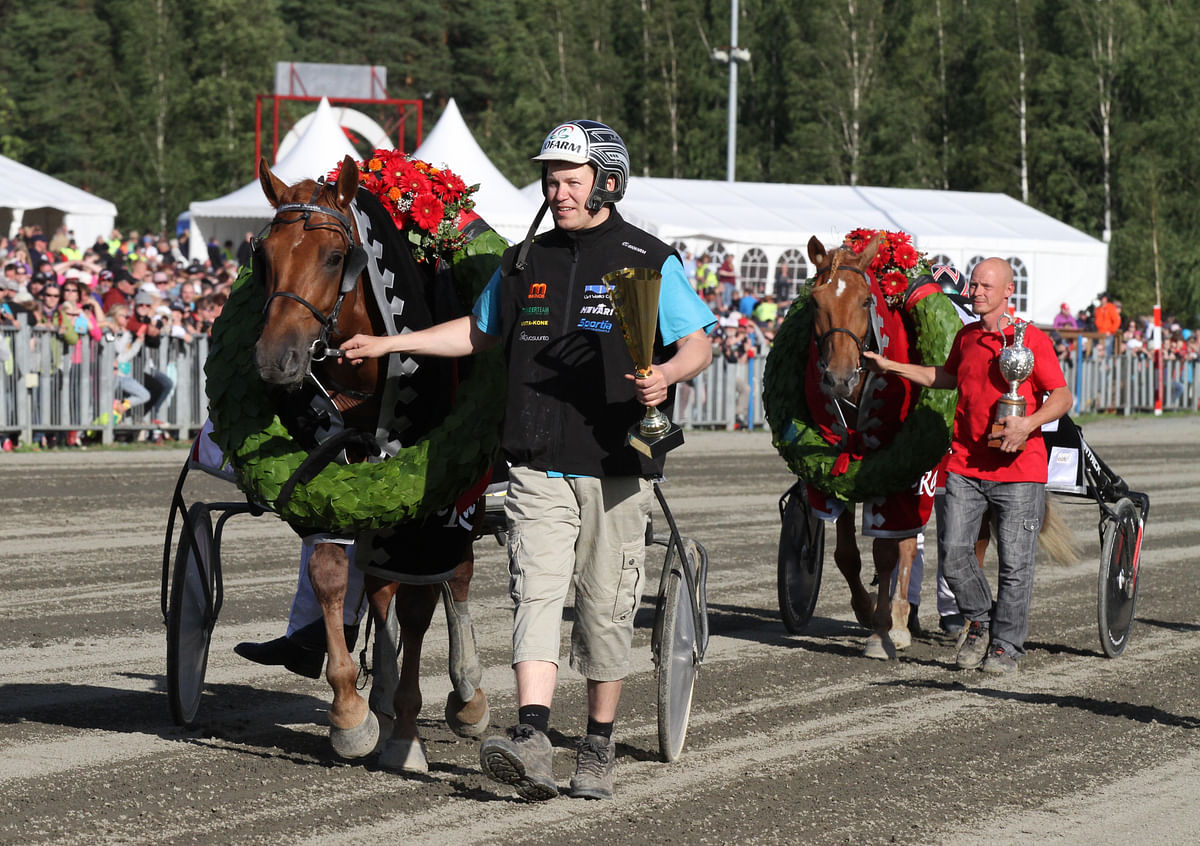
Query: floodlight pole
x=732 y=55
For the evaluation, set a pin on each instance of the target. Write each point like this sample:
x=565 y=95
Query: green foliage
x=152 y=104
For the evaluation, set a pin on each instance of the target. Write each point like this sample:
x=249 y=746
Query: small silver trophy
x=1016 y=363
x=634 y=295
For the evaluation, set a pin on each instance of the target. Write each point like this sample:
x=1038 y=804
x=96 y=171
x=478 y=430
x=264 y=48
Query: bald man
x=1006 y=470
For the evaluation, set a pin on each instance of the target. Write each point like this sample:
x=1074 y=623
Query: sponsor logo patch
x=595 y=325
x=537 y=291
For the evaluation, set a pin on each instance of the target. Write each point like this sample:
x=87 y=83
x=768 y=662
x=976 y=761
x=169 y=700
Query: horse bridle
x=861 y=343
x=353 y=263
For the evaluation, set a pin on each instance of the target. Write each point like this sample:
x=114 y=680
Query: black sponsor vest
x=570 y=406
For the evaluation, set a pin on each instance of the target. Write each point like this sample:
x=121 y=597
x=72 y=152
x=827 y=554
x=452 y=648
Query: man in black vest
x=579 y=495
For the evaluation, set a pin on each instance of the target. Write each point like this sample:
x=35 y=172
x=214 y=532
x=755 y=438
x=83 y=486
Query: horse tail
x=1056 y=538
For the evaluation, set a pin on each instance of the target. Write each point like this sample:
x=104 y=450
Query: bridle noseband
x=353 y=264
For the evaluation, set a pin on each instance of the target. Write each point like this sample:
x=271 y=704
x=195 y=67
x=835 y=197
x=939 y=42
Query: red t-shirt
x=974 y=362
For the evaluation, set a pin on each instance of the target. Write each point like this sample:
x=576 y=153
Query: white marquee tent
x=764 y=224
x=29 y=197
x=229 y=218
x=324 y=144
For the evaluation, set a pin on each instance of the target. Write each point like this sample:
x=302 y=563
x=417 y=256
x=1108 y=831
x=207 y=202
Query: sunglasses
x=49 y=296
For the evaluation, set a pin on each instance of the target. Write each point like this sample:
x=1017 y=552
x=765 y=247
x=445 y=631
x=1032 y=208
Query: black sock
x=602 y=729
x=537 y=716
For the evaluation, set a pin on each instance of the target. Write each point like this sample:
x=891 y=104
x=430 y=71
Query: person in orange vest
x=1108 y=321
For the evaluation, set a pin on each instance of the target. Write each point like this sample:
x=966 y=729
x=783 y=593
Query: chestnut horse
x=318 y=294
x=842 y=304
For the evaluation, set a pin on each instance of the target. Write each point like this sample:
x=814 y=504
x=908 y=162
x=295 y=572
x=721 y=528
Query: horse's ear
x=272 y=185
x=816 y=252
x=868 y=253
x=347 y=182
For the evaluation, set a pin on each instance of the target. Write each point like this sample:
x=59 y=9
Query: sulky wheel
x=1117 y=588
x=801 y=552
x=190 y=616
x=678 y=656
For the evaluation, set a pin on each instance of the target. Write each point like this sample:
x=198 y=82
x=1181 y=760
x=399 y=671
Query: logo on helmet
x=568 y=138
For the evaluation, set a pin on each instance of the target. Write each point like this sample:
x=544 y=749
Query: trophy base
x=655 y=448
x=996 y=435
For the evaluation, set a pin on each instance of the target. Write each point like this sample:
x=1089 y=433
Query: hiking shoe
x=594 y=764
x=952 y=623
x=524 y=759
x=999 y=661
x=972 y=645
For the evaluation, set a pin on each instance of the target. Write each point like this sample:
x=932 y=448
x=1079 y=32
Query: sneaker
x=523 y=759
x=952 y=623
x=999 y=661
x=594 y=764
x=972 y=645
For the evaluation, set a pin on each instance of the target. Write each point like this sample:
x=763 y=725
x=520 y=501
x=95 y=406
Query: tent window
x=940 y=259
x=754 y=271
x=716 y=252
x=972 y=264
x=680 y=247
x=1020 y=297
x=789 y=272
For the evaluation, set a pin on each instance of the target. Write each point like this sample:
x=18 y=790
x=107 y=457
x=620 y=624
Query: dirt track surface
x=794 y=739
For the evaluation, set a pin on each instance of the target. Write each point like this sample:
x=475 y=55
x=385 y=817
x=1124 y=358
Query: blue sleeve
x=680 y=310
x=487 y=307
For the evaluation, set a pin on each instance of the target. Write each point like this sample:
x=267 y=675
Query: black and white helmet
x=589 y=141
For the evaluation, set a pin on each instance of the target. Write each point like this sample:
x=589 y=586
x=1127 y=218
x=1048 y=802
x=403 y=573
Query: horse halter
x=353 y=263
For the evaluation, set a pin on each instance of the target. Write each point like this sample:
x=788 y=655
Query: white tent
x=450 y=144
x=229 y=218
x=766 y=224
x=29 y=197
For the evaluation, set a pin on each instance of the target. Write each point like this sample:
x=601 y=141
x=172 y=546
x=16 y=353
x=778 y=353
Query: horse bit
x=352 y=265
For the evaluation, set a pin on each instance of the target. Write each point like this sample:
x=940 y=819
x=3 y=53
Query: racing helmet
x=590 y=142
x=948 y=277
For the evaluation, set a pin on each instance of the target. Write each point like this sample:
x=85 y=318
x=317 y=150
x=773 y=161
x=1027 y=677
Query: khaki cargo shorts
x=586 y=532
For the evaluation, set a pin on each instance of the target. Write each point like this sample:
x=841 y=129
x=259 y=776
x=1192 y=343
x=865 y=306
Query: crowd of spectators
x=131 y=290
x=1102 y=329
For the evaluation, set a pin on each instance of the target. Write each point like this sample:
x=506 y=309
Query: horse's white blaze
x=841 y=288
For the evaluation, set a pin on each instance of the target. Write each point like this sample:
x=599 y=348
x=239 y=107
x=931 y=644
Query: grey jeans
x=1018 y=508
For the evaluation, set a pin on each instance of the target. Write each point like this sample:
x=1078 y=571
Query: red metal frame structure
x=397 y=127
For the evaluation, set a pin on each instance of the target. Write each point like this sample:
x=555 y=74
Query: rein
x=353 y=264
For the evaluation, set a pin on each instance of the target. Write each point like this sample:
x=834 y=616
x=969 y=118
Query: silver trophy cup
x=1016 y=363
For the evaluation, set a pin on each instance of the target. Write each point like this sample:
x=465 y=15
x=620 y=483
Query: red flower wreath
x=423 y=200
x=894 y=261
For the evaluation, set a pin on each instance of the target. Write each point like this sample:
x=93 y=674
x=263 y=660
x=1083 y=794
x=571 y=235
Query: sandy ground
x=792 y=738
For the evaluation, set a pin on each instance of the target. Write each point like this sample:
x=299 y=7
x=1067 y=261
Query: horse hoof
x=468 y=719
x=404 y=756
x=356 y=742
x=901 y=638
x=880 y=648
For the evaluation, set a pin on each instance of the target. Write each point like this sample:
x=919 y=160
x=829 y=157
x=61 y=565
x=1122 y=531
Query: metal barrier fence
x=49 y=390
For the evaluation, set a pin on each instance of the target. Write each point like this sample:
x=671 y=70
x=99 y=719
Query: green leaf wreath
x=418 y=481
x=924 y=435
